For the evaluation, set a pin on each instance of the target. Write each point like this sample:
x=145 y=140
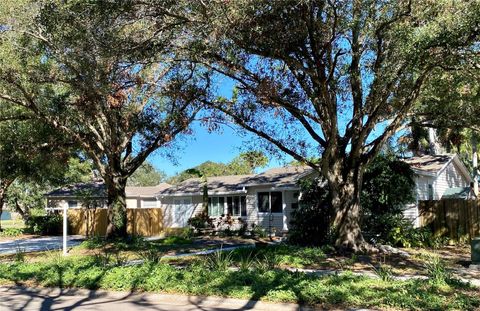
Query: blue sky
x=204 y=146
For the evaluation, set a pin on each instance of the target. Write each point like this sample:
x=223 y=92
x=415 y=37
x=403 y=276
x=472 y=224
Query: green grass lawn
x=255 y=277
x=14 y=223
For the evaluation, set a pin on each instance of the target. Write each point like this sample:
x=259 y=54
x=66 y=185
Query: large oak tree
x=329 y=79
x=91 y=71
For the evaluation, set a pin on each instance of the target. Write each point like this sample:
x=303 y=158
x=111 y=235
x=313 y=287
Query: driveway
x=37 y=244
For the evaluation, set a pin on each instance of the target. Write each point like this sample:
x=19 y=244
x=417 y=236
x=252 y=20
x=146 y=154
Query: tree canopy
x=329 y=78
x=91 y=71
x=243 y=164
x=146 y=175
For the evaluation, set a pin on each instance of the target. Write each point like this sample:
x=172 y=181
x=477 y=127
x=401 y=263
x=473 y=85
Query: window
x=270 y=202
x=430 y=192
x=236 y=206
x=72 y=204
x=243 y=202
x=276 y=206
x=216 y=206
x=263 y=202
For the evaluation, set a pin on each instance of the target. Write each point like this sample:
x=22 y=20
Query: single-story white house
x=266 y=199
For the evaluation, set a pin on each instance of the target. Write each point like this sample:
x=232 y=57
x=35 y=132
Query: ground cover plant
x=257 y=282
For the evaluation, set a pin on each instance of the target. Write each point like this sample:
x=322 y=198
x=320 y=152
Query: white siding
x=422 y=183
x=450 y=177
x=278 y=221
x=60 y=203
x=133 y=203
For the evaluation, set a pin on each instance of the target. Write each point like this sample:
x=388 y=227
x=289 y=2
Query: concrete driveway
x=37 y=244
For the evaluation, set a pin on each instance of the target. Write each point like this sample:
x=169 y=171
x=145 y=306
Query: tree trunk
x=4 y=184
x=475 y=164
x=2 y=201
x=345 y=193
x=24 y=213
x=117 y=207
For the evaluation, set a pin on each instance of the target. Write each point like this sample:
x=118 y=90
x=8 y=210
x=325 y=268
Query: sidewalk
x=23 y=298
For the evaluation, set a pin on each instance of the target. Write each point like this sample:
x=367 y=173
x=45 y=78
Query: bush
x=405 y=235
x=388 y=185
x=11 y=232
x=45 y=225
x=258 y=232
x=200 y=221
x=310 y=223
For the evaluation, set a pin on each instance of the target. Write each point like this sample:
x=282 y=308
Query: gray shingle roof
x=146 y=191
x=218 y=184
x=429 y=163
x=97 y=189
x=94 y=189
x=458 y=193
x=281 y=176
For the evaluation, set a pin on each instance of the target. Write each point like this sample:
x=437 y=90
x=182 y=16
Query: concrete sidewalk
x=23 y=298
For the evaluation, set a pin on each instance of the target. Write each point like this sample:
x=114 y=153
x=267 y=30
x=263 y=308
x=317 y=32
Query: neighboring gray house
x=438 y=177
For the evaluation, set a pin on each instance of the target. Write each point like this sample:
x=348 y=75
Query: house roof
x=429 y=163
x=97 y=189
x=218 y=184
x=93 y=189
x=282 y=176
x=145 y=191
x=433 y=165
x=458 y=193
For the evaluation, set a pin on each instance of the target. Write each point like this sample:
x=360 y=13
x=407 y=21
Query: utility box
x=476 y=250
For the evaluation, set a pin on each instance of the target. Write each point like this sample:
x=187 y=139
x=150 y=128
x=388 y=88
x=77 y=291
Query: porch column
x=284 y=211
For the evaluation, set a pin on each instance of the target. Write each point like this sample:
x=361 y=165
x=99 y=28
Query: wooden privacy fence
x=93 y=222
x=457 y=219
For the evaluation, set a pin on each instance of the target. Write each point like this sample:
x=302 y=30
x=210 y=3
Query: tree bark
x=116 y=207
x=24 y=213
x=345 y=192
x=2 y=201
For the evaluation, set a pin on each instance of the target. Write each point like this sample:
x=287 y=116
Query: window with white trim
x=270 y=202
x=72 y=204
